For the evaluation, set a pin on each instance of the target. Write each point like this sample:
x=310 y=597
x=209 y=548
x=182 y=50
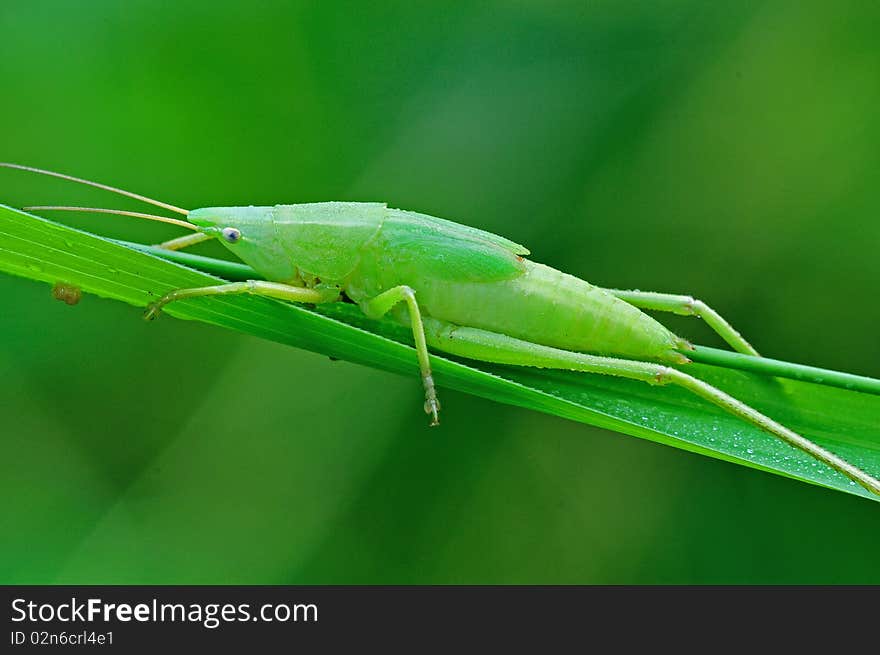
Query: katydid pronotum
x=462 y=291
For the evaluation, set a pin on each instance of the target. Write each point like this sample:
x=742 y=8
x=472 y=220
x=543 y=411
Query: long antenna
x=118 y=212
x=122 y=192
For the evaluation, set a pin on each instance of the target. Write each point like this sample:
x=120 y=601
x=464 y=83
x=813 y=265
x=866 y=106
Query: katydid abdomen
x=543 y=305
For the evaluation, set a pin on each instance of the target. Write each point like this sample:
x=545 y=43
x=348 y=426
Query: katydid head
x=232 y=225
x=249 y=233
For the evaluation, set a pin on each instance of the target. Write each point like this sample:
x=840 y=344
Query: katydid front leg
x=486 y=346
x=255 y=287
x=377 y=307
x=185 y=241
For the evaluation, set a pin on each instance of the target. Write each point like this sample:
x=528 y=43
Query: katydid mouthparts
x=461 y=290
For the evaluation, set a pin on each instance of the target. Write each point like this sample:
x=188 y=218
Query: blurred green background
x=728 y=150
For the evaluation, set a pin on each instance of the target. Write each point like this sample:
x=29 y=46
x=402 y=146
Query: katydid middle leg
x=487 y=346
x=382 y=304
x=687 y=306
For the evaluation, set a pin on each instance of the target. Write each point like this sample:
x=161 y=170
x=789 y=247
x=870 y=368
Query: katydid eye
x=231 y=234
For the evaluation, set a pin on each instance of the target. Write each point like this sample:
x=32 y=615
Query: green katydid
x=462 y=291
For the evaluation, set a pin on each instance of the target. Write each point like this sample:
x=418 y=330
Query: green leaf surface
x=842 y=420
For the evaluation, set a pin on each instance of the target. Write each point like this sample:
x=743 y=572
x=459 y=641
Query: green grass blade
x=845 y=421
x=768 y=366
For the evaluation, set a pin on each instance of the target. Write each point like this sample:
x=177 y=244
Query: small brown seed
x=66 y=293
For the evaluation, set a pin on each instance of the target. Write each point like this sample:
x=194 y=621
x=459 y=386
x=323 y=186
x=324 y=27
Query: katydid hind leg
x=383 y=303
x=687 y=306
x=492 y=347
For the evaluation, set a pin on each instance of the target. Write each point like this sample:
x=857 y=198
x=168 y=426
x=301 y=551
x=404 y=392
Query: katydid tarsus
x=461 y=290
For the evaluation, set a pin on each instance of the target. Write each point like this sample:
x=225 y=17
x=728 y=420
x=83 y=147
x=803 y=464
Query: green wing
x=445 y=250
